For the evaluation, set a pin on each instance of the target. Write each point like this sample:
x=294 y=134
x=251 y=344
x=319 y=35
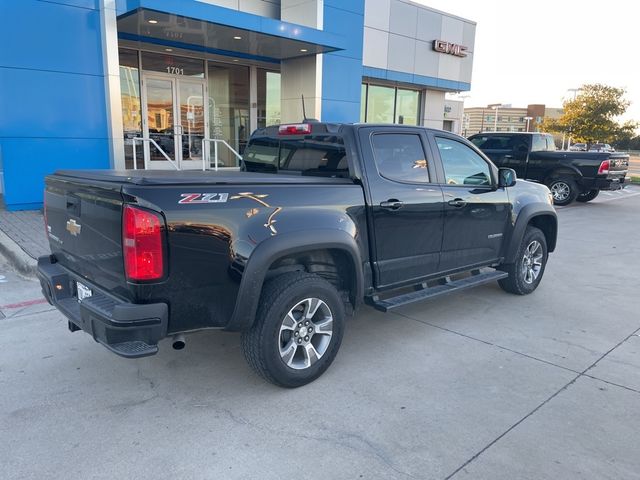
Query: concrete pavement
x=480 y=384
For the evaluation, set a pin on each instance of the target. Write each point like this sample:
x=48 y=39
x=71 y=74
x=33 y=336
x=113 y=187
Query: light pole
x=496 y=109
x=528 y=119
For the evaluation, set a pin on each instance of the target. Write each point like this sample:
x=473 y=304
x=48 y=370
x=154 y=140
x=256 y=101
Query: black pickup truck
x=320 y=219
x=569 y=175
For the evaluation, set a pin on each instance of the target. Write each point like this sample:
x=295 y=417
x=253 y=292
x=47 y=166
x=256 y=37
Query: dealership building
x=181 y=84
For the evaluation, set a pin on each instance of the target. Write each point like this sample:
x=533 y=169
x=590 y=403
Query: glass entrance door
x=174 y=117
x=191 y=96
x=159 y=122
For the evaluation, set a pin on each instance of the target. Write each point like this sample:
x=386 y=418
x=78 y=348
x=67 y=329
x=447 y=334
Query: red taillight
x=604 y=167
x=142 y=244
x=297 y=129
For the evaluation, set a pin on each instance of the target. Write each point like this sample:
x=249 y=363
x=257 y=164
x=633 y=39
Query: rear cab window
x=317 y=154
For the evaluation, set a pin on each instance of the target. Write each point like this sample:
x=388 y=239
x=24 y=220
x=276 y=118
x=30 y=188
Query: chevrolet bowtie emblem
x=73 y=227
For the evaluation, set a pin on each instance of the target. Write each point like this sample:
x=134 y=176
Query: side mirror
x=506 y=177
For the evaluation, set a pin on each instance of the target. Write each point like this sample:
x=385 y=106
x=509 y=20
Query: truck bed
x=198 y=177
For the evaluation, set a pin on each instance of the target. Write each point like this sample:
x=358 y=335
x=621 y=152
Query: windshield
x=319 y=155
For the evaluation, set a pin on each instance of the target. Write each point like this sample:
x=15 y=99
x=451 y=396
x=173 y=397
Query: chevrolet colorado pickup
x=569 y=175
x=321 y=219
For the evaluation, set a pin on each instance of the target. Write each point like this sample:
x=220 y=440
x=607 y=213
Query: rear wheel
x=563 y=189
x=297 y=331
x=587 y=196
x=526 y=273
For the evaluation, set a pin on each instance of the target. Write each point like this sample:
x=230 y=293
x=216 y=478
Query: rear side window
x=400 y=157
x=551 y=144
x=316 y=155
x=462 y=166
x=539 y=143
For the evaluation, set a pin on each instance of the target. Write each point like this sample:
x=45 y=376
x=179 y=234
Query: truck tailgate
x=84 y=220
x=618 y=165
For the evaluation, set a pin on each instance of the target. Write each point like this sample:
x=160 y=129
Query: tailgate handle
x=73 y=204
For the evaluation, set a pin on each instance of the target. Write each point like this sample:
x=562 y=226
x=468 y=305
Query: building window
x=380 y=104
x=268 y=98
x=228 y=108
x=131 y=106
x=363 y=103
x=407 y=106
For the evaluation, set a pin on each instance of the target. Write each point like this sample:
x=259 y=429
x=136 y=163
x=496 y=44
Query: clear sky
x=534 y=51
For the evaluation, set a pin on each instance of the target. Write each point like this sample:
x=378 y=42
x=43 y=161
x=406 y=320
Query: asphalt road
x=480 y=385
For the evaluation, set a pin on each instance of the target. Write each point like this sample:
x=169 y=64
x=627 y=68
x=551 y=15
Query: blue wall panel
x=51 y=104
x=342 y=70
x=44 y=31
x=52 y=94
x=26 y=161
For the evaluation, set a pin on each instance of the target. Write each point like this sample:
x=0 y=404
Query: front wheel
x=587 y=196
x=563 y=189
x=526 y=272
x=297 y=331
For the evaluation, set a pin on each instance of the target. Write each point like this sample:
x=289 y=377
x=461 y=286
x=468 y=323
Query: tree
x=591 y=116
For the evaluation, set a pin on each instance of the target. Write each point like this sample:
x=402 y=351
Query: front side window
x=462 y=166
x=400 y=157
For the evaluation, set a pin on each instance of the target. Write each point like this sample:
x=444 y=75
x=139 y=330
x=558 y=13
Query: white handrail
x=205 y=152
x=151 y=140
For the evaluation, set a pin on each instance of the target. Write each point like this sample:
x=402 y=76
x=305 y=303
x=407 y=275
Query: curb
x=17 y=257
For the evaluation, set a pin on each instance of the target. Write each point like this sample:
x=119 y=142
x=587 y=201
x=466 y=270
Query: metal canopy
x=172 y=30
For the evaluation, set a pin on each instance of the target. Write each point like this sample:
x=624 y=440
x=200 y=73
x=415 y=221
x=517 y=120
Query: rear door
x=475 y=211
x=406 y=204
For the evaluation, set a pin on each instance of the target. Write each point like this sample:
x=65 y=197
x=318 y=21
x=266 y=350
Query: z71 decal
x=191 y=198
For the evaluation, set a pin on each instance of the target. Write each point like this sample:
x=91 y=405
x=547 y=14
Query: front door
x=174 y=118
x=475 y=211
x=406 y=205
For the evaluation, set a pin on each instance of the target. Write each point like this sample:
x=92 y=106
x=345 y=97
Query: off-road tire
x=260 y=344
x=516 y=281
x=587 y=196
x=557 y=184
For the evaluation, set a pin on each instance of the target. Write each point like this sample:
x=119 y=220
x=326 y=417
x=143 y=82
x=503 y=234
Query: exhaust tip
x=178 y=342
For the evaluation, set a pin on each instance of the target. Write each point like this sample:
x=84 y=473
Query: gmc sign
x=450 y=48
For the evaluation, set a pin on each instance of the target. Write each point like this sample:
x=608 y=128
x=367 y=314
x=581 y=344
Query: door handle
x=508 y=157
x=392 y=204
x=457 y=202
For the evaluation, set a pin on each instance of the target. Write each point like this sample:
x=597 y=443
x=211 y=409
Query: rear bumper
x=127 y=329
x=605 y=183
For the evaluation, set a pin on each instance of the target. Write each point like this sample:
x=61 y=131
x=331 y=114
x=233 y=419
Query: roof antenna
x=304 y=113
